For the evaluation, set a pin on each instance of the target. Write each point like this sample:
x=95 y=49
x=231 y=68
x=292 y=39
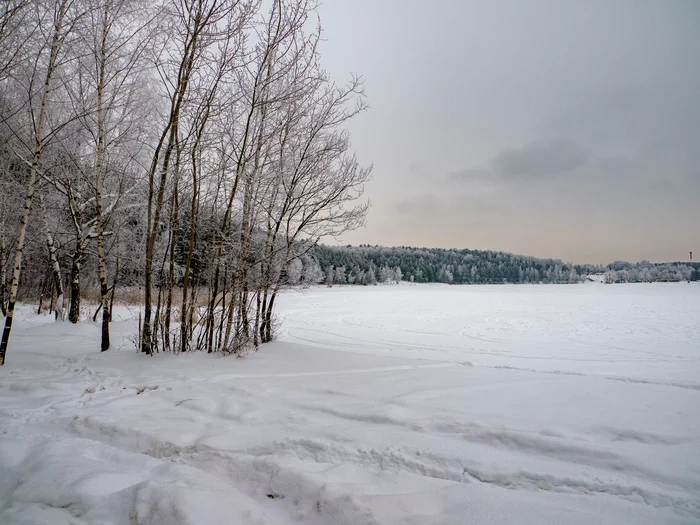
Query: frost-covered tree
x=198 y=144
x=448 y=266
x=38 y=82
x=312 y=272
x=339 y=277
x=385 y=274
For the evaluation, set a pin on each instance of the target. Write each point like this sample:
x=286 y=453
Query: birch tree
x=61 y=13
x=116 y=35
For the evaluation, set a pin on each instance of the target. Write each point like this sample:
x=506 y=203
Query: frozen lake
x=396 y=405
x=641 y=331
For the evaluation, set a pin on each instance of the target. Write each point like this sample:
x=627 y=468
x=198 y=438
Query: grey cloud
x=540 y=159
x=666 y=166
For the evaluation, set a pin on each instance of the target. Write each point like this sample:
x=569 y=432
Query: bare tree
x=317 y=181
x=198 y=26
x=57 y=39
x=116 y=35
x=194 y=142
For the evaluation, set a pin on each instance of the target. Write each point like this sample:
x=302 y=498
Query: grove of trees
x=194 y=150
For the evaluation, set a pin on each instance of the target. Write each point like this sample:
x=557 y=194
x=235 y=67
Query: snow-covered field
x=575 y=404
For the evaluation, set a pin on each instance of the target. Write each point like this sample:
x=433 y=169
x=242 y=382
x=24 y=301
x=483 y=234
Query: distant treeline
x=367 y=264
x=363 y=264
x=645 y=271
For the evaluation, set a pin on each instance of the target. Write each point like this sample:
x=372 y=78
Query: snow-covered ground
x=575 y=404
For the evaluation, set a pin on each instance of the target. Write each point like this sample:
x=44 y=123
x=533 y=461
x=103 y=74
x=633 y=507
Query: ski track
x=217 y=425
x=389 y=458
x=103 y=389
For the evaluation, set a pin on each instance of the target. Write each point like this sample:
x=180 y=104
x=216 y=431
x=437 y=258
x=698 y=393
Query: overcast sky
x=568 y=129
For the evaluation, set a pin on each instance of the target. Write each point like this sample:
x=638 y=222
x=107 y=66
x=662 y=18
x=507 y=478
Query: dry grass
x=133 y=296
x=130 y=296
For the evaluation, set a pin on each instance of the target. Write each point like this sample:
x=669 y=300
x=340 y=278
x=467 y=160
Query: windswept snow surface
x=394 y=405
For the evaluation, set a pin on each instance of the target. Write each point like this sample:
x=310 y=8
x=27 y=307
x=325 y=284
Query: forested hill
x=364 y=264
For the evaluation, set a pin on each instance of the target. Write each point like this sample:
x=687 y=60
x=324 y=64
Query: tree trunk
x=268 y=318
x=171 y=263
x=256 y=326
x=74 y=311
x=111 y=296
x=52 y=304
x=99 y=175
x=157 y=324
x=44 y=290
x=263 y=310
x=55 y=266
x=220 y=331
x=169 y=297
x=3 y=276
x=214 y=287
x=229 y=319
x=184 y=310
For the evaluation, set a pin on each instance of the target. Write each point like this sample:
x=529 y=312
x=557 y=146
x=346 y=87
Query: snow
x=411 y=404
